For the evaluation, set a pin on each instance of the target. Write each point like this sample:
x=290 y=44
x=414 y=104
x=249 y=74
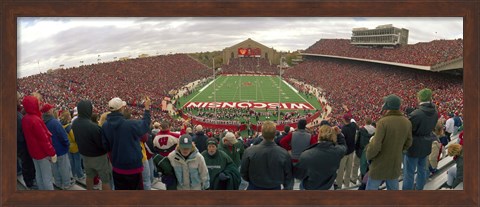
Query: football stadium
x=227 y=97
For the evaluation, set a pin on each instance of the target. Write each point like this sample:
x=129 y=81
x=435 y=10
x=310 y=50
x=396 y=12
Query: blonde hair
x=65 y=117
x=103 y=118
x=268 y=130
x=454 y=149
x=438 y=130
x=327 y=133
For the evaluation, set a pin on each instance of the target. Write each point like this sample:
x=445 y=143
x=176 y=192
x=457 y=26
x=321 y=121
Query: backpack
x=457 y=121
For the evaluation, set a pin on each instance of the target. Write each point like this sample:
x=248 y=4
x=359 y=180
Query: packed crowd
x=132 y=80
x=359 y=85
x=249 y=65
x=422 y=53
x=126 y=154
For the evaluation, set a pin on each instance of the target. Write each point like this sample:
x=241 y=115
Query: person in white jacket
x=189 y=166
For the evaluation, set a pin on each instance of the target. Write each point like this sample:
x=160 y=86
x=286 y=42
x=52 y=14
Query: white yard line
x=296 y=91
x=200 y=91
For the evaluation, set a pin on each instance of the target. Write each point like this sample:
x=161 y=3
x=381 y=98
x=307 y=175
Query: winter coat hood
x=428 y=109
x=85 y=109
x=31 y=105
x=115 y=119
x=370 y=129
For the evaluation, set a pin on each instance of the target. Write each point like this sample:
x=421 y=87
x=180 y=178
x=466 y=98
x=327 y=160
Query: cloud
x=47 y=42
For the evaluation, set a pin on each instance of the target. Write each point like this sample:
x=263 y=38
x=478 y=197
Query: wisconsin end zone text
x=251 y=105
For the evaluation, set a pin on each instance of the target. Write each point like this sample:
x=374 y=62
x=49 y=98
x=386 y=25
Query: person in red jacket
x=39 y=143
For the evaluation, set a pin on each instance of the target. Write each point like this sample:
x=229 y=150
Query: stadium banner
x=249 y=52
x=247 y=74
x=251 y=105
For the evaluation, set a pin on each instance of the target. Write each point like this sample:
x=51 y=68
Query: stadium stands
x=423 y=53
x=130 y=80
x=249 y=65
x=361 y=85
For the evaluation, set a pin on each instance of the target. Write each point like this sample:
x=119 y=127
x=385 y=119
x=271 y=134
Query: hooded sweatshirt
x=35 y=132
x=59 y=136
x=423 y=121
x=87 y=134
x=121 y=137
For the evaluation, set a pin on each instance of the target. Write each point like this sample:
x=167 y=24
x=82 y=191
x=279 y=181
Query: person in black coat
x=317 y=166
x=200 y=139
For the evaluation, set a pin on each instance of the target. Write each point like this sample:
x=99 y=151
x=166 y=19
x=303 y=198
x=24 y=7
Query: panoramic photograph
x=240 y=103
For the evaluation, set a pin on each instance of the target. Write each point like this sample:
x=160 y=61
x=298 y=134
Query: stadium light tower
x=279 y=87
x=214 y=91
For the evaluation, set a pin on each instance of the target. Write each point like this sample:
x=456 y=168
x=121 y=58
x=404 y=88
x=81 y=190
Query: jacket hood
x=47 y=117
x=30 y=104
x=370 y=129
x=115 y=119
x=428 y=109
x=85 y=109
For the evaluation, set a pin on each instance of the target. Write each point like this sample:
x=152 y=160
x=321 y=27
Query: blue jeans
x=243 y=184
x=152 y=169
x=147 y=183
x=62 y=171
x=374 y=184
x=410 y=164
x=43 y=173
x=76 y=164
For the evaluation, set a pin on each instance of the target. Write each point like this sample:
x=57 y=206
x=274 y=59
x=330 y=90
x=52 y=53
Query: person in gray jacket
x=267 y=166
x=317 y=166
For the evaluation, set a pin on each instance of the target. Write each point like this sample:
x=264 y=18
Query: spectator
x=318 y=165
x=121 y=138
x=61 y=169
x=279 y=138
x=267 y=160
x=165 y=141
x=393 y=135
x=438 y=150
x=28 y=168
x=363 y=138
x=349 y=131
x=234 y=149
x=450 y=126
x=455 y=173
x=200 y=139
x=296 y=142
x=39 y=143
x=73 y=154
x=89 y=140
x=223 y=173
x=423 y=121
x=189 y=166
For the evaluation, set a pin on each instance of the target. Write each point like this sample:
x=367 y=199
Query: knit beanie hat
x=391 y=102
x=425 y=95
x=212 y=141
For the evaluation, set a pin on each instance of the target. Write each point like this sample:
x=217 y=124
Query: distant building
x=383 y=35
x=250 y=49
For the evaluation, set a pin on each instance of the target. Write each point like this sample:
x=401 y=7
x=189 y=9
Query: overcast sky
x=45 y=43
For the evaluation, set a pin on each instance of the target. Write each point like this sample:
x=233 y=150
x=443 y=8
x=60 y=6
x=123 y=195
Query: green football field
x=250 y=89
